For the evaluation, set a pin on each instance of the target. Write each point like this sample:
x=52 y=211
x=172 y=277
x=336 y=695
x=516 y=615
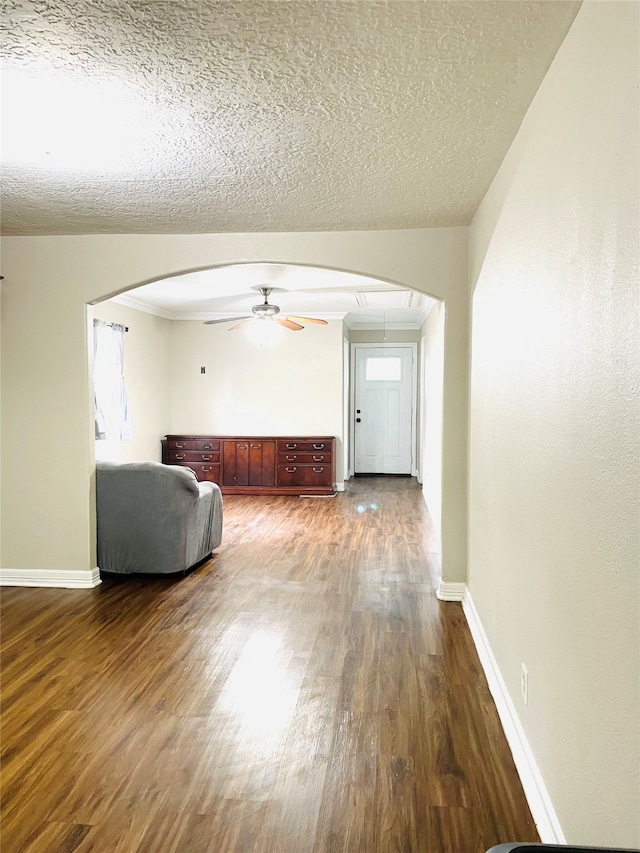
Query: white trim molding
x=450 y=591
x=535 y=790
x=59 y=578
x=139 y=305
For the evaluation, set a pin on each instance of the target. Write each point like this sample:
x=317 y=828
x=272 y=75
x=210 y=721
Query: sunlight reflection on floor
x=260 y=693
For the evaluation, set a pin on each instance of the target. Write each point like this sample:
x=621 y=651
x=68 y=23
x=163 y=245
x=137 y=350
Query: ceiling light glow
x=264 y=332
x=90 y=123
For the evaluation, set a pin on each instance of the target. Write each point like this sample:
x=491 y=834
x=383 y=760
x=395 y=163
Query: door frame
x=414 y=399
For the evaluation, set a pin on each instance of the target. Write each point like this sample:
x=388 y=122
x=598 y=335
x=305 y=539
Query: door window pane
x=383 y=370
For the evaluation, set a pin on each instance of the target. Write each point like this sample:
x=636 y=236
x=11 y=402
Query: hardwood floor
x=302 y=692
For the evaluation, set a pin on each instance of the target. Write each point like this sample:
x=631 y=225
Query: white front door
x=384 y=409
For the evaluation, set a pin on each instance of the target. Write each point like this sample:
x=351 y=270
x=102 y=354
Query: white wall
x=49 y=280
x=554 y=457
x=293 y=388
x=146 y=373
x=432 y=361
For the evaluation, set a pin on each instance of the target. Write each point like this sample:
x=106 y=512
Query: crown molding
x=355 y=325
x=349 y=317
x=138 y=305
x=369 y=326
x=320 y=315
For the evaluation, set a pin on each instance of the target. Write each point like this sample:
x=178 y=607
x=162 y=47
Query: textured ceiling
x=252 y=115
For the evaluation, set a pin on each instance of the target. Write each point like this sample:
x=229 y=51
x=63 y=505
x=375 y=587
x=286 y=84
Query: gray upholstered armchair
x=154 y=518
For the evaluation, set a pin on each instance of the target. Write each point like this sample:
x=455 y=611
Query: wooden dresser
x=256 y=465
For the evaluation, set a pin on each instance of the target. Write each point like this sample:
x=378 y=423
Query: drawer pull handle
x=290 y=458
x=179 y=455
x=318 y=446
x=207 y=446
x=318 y=458
x=179 y=445
x=291 y=446
x=206 y=458
x=256 y=446
x=318 y=470
x=243 y=446
x=207 y=468
x=290 y=470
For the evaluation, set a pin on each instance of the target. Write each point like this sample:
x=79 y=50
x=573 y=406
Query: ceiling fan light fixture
x=265 y=311
x=264 y=334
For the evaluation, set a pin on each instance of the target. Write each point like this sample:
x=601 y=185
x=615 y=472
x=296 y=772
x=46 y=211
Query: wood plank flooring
x=302 y=692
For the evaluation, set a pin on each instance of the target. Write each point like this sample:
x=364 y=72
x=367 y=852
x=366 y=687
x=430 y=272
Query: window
x=112 y=422
x=383 y=370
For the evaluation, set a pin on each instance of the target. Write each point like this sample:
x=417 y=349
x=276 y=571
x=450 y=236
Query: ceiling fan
x=266 y=311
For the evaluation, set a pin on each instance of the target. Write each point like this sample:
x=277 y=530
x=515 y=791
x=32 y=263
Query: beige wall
x=294 y=388
x=554 y=538
x=49 y=280
x=146 y=373
x=47 y=434
x=432 y=361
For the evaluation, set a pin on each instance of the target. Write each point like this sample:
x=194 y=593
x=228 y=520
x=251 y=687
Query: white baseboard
x=60 y=578
x=340 y=487
x=449 y=591
x=535 y=790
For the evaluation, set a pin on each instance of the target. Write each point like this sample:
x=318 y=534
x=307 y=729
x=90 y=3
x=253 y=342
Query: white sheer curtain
x=113 y=424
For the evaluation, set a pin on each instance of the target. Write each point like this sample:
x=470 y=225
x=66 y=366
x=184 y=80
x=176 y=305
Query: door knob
x=358 y=420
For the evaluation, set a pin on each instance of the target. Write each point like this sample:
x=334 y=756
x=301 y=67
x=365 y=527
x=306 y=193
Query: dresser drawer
x=187 y=457
x=319 y=457
x=305 y=475
x=206 y=472
x=304 y=445
x=180 y=444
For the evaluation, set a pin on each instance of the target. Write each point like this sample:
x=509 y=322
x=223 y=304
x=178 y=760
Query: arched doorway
x=48 y=283
x=220 y=384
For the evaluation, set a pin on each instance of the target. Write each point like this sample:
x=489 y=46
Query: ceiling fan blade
x=289 y=324
x=245 y=322
x=306 y=320
x=226 y=320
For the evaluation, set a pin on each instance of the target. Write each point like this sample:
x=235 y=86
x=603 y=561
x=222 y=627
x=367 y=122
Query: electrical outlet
x=524 y=684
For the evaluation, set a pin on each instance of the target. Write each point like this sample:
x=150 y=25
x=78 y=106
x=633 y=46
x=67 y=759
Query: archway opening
x=191 y=377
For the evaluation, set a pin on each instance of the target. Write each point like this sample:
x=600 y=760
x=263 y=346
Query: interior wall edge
x=535 y=790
